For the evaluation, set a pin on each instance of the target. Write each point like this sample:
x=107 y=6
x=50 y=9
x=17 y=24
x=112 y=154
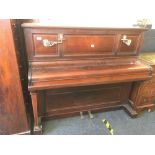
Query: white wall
x=83 y=12
x=100 y=12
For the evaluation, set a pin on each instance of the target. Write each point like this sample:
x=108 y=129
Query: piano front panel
x=85 y=45
x=75 y=43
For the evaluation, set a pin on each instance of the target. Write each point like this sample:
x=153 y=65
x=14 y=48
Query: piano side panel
x=143 y=93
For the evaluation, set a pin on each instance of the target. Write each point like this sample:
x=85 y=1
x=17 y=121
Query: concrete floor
x=120 y=121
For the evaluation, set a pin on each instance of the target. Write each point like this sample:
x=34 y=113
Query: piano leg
x=37 y=128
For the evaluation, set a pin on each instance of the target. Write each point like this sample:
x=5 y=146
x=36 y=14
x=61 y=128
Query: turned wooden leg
x=37 y=129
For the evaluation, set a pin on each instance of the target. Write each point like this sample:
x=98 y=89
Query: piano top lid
x=50 y=25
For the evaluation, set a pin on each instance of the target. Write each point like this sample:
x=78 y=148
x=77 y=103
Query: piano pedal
x=90 y=115
x=81 y=114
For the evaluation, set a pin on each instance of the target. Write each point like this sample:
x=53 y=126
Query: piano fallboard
x=47 y=76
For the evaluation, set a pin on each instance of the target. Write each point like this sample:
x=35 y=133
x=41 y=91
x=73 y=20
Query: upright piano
x=75 y=70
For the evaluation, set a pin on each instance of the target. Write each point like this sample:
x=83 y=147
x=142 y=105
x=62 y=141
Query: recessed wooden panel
x=75 y=99
x=89 y=44
x=125 y=49
x=39 y=47
x=80 y=98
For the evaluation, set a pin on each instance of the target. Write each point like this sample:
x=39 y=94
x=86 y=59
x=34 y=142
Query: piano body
x=81 y=69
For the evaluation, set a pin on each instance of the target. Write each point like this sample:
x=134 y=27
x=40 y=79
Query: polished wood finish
x=78 y=45
x=13 y=118
x=70 y=100
x=91 y=69
x=143 y=93
x=34 y=98
x=40 y=49
x=112 y=35
x=130 y=49
x=47 y=75
x=21 y=56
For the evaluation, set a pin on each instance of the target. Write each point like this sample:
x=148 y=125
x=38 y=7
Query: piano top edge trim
x=39 y=25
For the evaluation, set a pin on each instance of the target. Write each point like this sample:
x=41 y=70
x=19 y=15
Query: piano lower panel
x=72 y=100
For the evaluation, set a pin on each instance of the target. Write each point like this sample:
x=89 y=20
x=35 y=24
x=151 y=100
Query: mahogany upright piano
x=75 y=70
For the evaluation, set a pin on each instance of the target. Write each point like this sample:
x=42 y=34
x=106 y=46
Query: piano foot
x=90 y=115
x=128 y=108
